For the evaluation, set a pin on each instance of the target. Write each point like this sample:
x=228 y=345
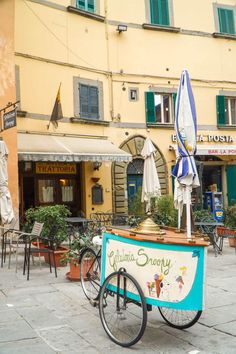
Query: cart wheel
x=179 y=319
x=122 y=309
x=90 y=273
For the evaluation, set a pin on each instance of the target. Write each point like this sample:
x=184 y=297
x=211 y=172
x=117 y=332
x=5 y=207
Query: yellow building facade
x=119 y=64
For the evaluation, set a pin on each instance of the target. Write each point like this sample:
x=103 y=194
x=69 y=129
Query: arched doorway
x=122 y=170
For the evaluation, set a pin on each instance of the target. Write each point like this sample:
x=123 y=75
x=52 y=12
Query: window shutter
x=150 y=107
x=226 y=21
x=174 y=95
x=80 y=4
x=154 y=11
x=93 y=102
x=91 y=5
x=163 y=11
x=84 y=102
x=220 y=108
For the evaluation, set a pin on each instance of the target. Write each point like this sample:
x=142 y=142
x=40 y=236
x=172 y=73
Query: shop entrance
x=134 y=179
x=50 y=183
x=212 y=188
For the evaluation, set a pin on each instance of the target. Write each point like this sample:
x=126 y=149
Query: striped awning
x=45 y=147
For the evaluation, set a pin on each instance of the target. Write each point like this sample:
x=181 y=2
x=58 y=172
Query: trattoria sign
x=210 y=138
x=56 y=168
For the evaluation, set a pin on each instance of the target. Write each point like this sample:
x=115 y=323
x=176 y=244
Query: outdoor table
x=225 y=232
x=209 y=228
x=78 y=221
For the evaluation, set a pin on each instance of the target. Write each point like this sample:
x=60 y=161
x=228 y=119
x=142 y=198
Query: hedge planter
x=59 y=253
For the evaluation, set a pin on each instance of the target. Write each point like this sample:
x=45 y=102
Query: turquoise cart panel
x=170 y=275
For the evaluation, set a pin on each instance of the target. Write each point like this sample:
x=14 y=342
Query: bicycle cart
x=139 y=271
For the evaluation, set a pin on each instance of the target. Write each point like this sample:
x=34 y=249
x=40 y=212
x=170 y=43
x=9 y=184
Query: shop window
x=159 y=12
x=67 y=190
x=160 y=107
x=88 y=99
x=226 y=110
x=226 y=20
x=46 y=189
x=86 y=5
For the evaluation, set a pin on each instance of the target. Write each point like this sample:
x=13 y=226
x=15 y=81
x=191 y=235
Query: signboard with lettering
x=56 y=168
x=9 y=119
x=169 y=275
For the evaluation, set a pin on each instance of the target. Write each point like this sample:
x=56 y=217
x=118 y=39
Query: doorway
x=134 y=179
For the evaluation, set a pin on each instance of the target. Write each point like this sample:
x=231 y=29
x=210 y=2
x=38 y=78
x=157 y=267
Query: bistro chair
x=17 y=240
x=31 y=251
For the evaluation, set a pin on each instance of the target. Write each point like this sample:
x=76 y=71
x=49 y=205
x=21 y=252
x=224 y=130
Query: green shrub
x=136 y=207
x=53 y=218
x=200 y=215
x=164 y=213
x=230 y=216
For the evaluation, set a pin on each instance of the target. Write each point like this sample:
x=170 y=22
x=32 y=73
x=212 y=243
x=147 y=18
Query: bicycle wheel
x=123 y=313
x=179 y=319
x=90 y=273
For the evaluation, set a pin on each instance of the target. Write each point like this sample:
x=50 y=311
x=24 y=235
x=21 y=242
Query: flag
x=57 y=111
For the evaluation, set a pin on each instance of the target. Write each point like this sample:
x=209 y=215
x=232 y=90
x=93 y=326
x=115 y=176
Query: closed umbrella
x=6 y=210
x=151 y=185
x=185 y=171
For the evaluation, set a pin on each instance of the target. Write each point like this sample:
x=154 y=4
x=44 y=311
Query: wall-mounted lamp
x=96 y=165
x=121 y=28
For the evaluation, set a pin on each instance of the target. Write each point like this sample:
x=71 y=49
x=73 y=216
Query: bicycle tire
x=180 y=319
x=90 y=273
x=123 y=314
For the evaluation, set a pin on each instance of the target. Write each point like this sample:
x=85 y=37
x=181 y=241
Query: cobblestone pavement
x=49 y=315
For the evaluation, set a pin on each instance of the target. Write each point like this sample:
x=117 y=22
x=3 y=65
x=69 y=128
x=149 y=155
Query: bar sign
x=9 y=119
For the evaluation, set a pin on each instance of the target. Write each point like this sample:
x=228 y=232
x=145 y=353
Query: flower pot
x=232 y=241
x=58 y=254
x=74 y=273
x=39 y=245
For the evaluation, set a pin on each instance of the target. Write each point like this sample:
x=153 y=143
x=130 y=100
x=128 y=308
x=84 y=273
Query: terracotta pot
x=232 y=242
x=74 y=273
x=38 y=245
x=58 y=254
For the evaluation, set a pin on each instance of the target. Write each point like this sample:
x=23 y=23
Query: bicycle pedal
x=94 y=303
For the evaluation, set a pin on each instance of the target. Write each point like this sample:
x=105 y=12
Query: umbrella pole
x=188 y=212
x=179 y=218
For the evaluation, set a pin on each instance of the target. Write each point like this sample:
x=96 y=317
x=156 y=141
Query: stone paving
x=49 y=315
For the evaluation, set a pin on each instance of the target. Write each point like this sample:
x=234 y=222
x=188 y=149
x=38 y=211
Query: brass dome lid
x=148 y=226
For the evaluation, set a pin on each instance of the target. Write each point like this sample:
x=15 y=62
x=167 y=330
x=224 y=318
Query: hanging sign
x=9 y=119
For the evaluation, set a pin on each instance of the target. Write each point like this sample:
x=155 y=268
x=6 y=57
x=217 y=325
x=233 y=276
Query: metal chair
x=31 y=251
x=17 y=240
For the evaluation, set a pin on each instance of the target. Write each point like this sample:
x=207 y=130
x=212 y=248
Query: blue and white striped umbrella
x=185 y=171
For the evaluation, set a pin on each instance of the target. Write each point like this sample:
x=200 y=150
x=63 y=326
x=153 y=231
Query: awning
x=40 y=147
x=212 y=149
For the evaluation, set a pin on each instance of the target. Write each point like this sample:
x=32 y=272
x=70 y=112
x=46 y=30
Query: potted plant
x=54 y=228
x=81 y=240
x=230 y=223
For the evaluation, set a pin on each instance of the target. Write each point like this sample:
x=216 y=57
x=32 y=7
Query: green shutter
x=80 y=4
x=221 y=110
x=226 y=21
x=231 y=177
x=163 y=11
x=150 y=107
x=159 y=10
x=174 y=95
x=91 y=5
x=84 y=101
x=93 y=102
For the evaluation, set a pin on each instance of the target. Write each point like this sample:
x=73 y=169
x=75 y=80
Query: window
x=160 y=107
x=226 y=110
x=88 y=101
x=226 y=20
x=86 y=5
x=159 y=12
